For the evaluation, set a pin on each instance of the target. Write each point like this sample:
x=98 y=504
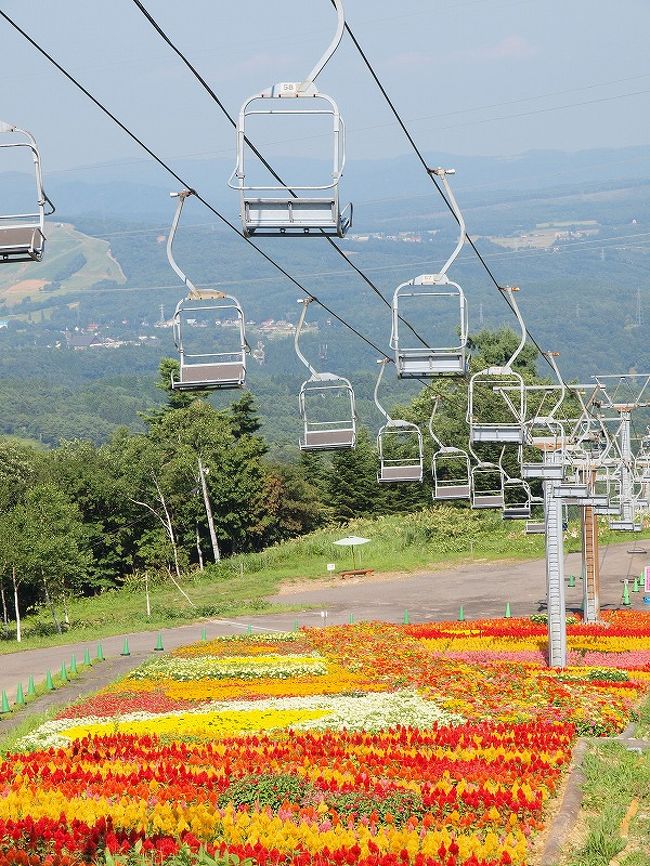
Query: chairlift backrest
x=22 y=235
x=281 y=208
x=202 y=370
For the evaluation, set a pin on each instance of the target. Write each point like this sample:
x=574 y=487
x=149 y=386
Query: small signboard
x=646 y=571
x=331 y=566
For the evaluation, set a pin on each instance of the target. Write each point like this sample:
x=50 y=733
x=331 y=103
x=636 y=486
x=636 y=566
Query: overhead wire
x=186 y=185
x=214 y=96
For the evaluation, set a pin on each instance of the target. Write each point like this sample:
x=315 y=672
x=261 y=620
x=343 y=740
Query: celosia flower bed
x=374 y=744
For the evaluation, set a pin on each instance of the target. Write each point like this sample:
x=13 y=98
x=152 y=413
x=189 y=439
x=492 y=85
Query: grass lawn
x=431 y=539
x=616 y=805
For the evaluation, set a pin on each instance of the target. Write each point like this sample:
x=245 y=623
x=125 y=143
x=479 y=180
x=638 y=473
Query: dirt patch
x=24 y=288
x=305 y=584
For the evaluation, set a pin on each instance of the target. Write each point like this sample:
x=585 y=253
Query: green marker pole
x=125 y=649
x=159 y=643
x=49 y=683
x=4 y=706
x=87 y=657
x=461 y=614
x=31 y=688
x=507 y=613
x=204 y=635
x=406 y=619
x=64 y=673
x=20 y=696
x=100 y=653
x=73 y=665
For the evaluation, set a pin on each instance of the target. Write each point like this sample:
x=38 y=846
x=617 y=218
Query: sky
x=472 y=77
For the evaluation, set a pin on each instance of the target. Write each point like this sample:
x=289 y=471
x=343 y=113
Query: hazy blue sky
x=471 y=76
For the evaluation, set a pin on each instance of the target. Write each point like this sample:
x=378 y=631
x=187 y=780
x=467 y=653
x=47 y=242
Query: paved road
x=482 y=589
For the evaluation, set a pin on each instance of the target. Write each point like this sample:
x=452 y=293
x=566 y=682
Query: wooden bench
x=357 y=572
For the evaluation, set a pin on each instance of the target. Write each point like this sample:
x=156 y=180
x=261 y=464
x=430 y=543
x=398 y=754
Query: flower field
x=373 y=744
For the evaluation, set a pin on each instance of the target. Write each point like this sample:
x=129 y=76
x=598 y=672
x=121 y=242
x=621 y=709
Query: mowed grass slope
x=430 y=539
x=66 y=247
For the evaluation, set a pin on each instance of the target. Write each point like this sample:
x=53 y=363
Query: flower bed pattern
x=434 y=745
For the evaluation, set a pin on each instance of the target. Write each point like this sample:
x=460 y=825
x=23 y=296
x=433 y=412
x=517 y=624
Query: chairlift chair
x=415 y=361
x=325 y=433
x=215 y=370
x=450 y=468
x=516 y=499
x=293 y=209
x=22 y=235
x=399 y=446
x=487 y=486
x=508 y=386
x=536 y=525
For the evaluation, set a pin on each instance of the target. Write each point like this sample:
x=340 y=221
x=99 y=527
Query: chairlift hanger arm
x=296 y=339
x=434 y=409
x=508 y=292
x=382 y=366
x=442 y=173
x=331 y=49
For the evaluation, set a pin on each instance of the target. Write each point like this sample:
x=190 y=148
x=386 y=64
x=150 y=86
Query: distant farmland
x=73 y=262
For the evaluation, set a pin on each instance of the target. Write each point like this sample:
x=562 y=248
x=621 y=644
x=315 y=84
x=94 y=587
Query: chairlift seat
x=543 y=471
x=392 y=474
x=270 y=217
x=209 y=376
x=328 y=440
x=592 y=501
x=516 y=512
x=415 y=363
x=488 y=500
x=607 y=510
x=571 y=491
x=501 y=433
x=535 y=527
x=624 y=526
x=444 y=491
x=22 y=243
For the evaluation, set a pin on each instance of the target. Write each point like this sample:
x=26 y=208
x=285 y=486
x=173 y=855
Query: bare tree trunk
x=66 y=616
x=5 y=616
x=146 y=593
x=48 y=602
x=198 y=548
x=19 y=634
x=208 y=511
x=167 y=523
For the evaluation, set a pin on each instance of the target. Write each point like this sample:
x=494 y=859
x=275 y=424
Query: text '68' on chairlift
x=399 y=444
x=496 y=404
x=327 y=406
x=297 y=208
x=22 y=235
x=201 y=313
x=450 y=467
x=422 y=299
